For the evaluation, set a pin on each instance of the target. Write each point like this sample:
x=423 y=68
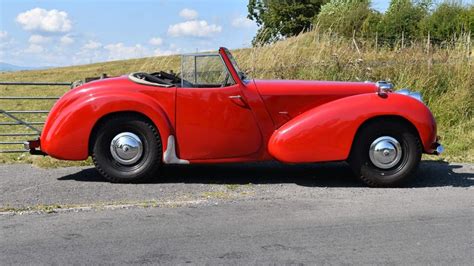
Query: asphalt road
x=287 y=215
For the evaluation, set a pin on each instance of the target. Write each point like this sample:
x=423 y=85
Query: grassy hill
x=444 y=75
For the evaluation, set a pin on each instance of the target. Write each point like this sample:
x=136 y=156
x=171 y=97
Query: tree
x=449 y=18
x=403 y=17
x=282 y=18
x=346 y=16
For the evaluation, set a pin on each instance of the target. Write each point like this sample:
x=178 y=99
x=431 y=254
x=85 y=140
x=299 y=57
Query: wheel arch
x=100 y=122
x=68 y=129
x=393 y=118
x=327 y=132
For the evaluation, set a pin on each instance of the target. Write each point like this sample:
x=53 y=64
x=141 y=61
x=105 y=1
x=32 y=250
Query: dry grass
x=443 y=75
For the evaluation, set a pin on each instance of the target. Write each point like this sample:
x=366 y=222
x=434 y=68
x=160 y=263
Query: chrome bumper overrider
x=438 y=148
x=31 y=146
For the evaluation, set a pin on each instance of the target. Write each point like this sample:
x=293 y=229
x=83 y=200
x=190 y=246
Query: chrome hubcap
x=385 y=152
x=126 y=148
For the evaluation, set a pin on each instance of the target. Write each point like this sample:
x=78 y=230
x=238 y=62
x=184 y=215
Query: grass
x=442 y=74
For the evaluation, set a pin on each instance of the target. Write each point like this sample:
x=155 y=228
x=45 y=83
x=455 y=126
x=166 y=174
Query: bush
x=450 y=19
x=282 y=18
x=346 y=16
x=403 y=17
x=412 y=19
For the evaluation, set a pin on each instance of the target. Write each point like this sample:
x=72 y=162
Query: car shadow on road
x=429 y=174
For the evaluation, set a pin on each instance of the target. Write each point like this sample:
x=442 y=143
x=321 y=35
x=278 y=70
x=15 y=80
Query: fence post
x=469 y=46
x=354 y=41
x=403 y=39
x=428 y=43
x=376 y=41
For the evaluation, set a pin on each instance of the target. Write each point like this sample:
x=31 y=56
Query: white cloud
x=172 y=50
x=188 y=14
x=159 y=52
x=118 y=51
x=3 y=34
x=155 y=41
x=92 y=45
x=88 y=56
x=39 y=19
x=242 y=22
x=38 y=39
x=193 y=28
x=34 y=49
x=66 y=40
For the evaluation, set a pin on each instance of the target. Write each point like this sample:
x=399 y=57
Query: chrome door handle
x=239 y=100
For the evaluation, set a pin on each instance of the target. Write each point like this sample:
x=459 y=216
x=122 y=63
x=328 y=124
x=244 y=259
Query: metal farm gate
x=14 y=127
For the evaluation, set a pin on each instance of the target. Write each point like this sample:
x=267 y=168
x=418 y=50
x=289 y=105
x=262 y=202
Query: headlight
x=413 y=94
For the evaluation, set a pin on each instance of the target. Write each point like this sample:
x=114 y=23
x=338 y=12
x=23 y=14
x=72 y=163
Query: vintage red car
x=212 y=113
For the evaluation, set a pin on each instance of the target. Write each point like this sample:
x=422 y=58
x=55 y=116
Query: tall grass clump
x=443 y=74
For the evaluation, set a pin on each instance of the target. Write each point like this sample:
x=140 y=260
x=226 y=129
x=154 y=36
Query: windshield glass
x=236 y=67
x=204 y=71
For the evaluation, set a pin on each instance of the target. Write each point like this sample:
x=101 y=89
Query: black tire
x=374 y=176
x=148 y=164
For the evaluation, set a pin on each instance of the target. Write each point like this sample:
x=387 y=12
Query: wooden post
x=354 y=41
x=428 y=43
x=403 y=39
x=469 y=45
x=376 y=41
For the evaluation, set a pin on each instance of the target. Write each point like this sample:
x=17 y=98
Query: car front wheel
x=385 y=153
x=127 y=148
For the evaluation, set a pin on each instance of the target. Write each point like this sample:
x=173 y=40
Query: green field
x=444 y=75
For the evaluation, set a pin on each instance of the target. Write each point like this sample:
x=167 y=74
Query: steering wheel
x=226 y=79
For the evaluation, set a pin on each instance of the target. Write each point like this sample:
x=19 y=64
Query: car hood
x=286 y=99
x=305 y=87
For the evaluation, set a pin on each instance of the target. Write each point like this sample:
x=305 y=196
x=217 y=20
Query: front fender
x=326 y=132
x=68 y=127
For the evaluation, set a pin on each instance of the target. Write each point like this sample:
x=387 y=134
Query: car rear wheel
x=385 y=153
x=127 y=148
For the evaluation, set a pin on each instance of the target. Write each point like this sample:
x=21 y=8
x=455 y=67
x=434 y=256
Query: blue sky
x=71 y=32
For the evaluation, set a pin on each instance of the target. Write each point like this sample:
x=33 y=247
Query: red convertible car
x=212 y=113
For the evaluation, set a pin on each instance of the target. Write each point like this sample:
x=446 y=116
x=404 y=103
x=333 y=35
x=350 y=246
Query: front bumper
x=34 y=147
x=437 y=147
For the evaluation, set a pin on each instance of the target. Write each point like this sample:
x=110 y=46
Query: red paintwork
x=69 y=125
x=290 y=121
x=297 y=96
x=325 y=133
x=205 y=120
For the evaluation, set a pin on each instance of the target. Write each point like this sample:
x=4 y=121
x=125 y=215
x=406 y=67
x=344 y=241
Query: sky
x=40 y=33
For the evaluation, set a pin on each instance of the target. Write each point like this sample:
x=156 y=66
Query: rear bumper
x=34 y=147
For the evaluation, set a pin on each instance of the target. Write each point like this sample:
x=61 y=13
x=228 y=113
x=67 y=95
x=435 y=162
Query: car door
x=213 y=120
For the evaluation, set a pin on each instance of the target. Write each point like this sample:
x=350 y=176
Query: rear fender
x=326 y=132
x=69 y=126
